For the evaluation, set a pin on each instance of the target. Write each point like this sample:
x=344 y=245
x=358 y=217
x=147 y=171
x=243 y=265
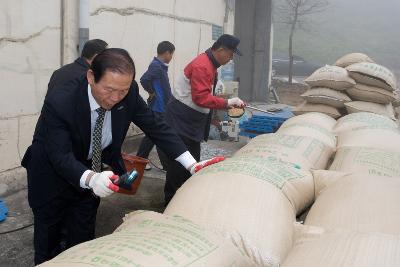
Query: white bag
x=151 y=239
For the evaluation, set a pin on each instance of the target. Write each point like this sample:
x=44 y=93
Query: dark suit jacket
x=57 y=157
x=67 y=76
x=70 y=73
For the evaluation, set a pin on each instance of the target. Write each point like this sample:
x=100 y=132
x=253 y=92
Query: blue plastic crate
x=261 y=123
x=259 y=128
x=3 y=210
x=264 y=118
x=251 y=125
x=257 y=123
x=251 y=135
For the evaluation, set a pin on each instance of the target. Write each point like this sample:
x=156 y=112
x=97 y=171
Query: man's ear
x=90 y=76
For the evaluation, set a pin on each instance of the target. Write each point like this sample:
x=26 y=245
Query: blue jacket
x=155 y=80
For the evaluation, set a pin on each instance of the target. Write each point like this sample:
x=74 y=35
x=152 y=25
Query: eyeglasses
x=111 y=91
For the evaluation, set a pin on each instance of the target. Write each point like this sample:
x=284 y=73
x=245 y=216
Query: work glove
x=235 y=102
x=202 y=164
x=101 y=184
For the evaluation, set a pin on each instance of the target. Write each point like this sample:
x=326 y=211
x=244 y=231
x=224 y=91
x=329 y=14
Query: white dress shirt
x=106 y=133
x=186 y=159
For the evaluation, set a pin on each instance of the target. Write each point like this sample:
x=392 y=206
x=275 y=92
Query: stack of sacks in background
x=374 y=91
x=355 y=83
x=254 y=196
x=355 y=219
x=327 y=94
x=152 y=239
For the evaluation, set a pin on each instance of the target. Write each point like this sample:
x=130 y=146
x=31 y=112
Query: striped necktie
x=96 y=140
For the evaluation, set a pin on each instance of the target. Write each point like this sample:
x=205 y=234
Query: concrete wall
x=139 y=26
x=29 y=52
x=38 y=36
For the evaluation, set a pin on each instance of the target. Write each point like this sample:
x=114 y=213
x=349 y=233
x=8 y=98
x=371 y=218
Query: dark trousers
x=147 y=145
x=71 y=210
x=176 y=173
x=144 y=150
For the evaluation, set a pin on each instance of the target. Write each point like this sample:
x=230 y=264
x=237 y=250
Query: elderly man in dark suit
x=83 y=125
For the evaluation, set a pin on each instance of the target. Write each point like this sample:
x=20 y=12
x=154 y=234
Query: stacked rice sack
x=242 y=211
x=254 y=196
x=152 y=239
x=367 y=143
x=355 y=83
x=374 y=88
x=238 y=212
x=318 y=247
x=355 y=219
x=327 y=94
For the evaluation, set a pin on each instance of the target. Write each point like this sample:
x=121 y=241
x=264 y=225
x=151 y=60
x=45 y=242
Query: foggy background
x=367 y=26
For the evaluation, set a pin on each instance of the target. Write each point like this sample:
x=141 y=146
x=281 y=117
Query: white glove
x=100 y=184
x=235 y=102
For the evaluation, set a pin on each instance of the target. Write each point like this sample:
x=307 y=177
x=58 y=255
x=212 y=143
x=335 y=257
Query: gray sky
x=368 y=26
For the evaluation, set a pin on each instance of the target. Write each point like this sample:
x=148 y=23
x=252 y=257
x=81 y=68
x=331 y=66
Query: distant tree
x=295 y=14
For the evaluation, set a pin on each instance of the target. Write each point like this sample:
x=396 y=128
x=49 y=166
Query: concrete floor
x=16 y=248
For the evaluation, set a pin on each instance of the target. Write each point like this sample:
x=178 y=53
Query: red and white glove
x=235 y=102
x=102 y=185
x=202 y=164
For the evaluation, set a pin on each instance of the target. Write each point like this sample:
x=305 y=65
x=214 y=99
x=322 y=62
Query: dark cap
x=230 y=42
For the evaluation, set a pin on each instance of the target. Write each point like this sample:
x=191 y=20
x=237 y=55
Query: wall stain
x=128 y=11
x=27 y=38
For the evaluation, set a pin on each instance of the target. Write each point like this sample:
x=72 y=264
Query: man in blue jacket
x=156 y=82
